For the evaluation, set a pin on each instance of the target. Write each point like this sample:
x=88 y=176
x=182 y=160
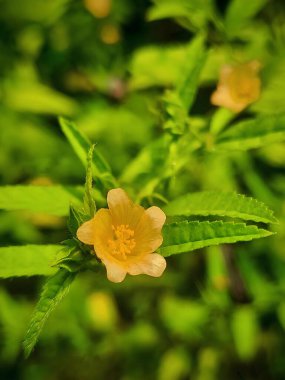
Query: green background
x=215 y=314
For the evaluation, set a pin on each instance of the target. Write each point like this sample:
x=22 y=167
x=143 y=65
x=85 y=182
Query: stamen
x=122 y=243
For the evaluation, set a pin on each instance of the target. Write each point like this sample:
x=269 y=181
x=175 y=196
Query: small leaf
x=78 y=261
x=77 y=216
x=253 y=133
x=222 y=204
x=187 y=236
x=29 y=260
x=54 y=290
x=89 y=202
x=81 y=146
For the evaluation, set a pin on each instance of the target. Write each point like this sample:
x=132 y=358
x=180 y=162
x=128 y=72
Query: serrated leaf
x=81 y=146
x=53 y=200
x=220 y=204
x=253 y=133
x=54 y=290
x=89 y=202
x=29 y=260
x=187 y=236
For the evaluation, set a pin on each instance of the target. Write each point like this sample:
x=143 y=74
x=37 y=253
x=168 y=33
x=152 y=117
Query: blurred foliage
x=115 y=68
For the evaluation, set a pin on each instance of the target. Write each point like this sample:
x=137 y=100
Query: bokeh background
x=216 y=314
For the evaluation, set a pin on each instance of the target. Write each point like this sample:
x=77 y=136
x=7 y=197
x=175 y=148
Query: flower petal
x=222 y=97
x=102 y=232
x=115 y=272
x=85 y=232
x=152 y=264
x=157 y=217
x=122 y=209
x=148 y=232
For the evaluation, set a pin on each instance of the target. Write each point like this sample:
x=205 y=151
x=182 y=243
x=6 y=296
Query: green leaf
x=187 y=85
x=222 y=204
x=187 y=236
x=77 y=261
x=168 y=9
x=239 y=13
x=253 y=133
x=54 y=290
x=29 y=260
x=148 y=162
x=196 y=12
x=156 y=66
x=220 y=120
x=245 y=331
x=178 y=102
x=155 y=162
x=29 y=96
x=53 y=200
x=89 y=202
x=272 y=96
x=77 y=216
x=81 y=146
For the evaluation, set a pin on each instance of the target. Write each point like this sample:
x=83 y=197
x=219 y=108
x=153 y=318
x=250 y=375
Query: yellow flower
x=238 y=86
x=125 y=236
x=99 y=8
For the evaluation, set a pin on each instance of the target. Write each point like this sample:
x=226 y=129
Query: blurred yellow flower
x=238 y=86
x=110 y=34
x=125 y=236
x=99 y=8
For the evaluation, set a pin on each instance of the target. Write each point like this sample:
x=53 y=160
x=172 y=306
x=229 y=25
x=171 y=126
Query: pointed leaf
x=253 y=133
x=54 y=290
x=187 y=85
x=89 y=202
x=222 y=204
x=81 y=146
x=77 y=216
x=188 y=236
x=29 y=260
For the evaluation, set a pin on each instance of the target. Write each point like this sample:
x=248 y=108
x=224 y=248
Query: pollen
x=123 y=242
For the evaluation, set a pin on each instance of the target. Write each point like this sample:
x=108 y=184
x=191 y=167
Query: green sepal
x=77 y=217
x=88 y=200
x=77 y=261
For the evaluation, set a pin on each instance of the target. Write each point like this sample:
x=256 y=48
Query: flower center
x=122 y=243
